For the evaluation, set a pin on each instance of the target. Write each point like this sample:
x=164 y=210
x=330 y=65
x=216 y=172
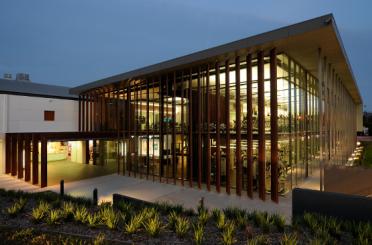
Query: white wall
x=2 y=153
x=3 y=112
x=26 y=114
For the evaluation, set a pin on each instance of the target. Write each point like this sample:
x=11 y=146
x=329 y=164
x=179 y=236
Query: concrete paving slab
x=153 y=191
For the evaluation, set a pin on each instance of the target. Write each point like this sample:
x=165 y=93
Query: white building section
x=33 y=107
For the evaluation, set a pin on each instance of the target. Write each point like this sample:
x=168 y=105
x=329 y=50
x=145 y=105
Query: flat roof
x=301 y=41
x=28 y=88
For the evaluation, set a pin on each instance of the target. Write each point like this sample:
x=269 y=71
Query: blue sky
x=72 y=42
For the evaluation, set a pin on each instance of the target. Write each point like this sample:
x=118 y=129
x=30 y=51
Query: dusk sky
x=73 y=42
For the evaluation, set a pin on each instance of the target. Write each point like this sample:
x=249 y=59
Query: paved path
x=156 y=191
x=8 y=182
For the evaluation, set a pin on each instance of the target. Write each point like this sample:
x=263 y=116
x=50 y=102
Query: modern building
x=31 y=110
x=260 y=114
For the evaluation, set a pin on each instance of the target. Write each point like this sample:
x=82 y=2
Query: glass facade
x=213 y=125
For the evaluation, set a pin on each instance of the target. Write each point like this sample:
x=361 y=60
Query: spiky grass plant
x=279 y=221
x=242 y=220
x=221 y=221
x=55 y=215
x=17 y=207
x=203 y=216
x=134 y=224
x=215 y=213
x=153 y=226
x=258 y=240
x=198 y=234
x=81 y=214
x=233 y=212
x=182 y=226
x=311 y=221
x=262 y=220
x=228 y=234
x=289 y=239
x=93 y=220
x=172 y=219
x=109 y=217
x=40 y=212
x=68 y=209
x=99 y=239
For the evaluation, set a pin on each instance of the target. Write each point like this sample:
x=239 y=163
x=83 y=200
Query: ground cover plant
x=46 y=218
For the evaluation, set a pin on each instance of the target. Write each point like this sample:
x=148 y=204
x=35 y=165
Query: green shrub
x=279 y=221
x=182 y=226
x=40 y=211
x=241 y=221
x=228 y=234
x=81 y=214
x=93 y=220
x=22 y=234
x=17 y=207
x=233 y=212
x=149 y=213
x=215 y=213
x=99 y=239
x=289 y=239
x=166 y=208
x=172 y=219
x=221 y=221
x=258 y=240
x=134 y=224
x=109 y=217
x=198 y=234
x=315 y=241
x=54 y=217
x=263 y=220
x=311 y=222
x=203 y=216
x=68 y=209
x=153 y=226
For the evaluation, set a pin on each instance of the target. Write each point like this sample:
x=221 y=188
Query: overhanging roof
x=301 y=41
x=34 y=89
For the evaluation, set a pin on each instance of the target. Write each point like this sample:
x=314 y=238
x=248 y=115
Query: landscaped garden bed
x=45 y=218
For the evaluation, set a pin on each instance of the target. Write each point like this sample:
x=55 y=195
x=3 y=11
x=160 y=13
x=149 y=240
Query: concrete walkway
x=8 y=182
x=157 y=192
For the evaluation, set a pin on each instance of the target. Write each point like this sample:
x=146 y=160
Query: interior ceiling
x=304 y=49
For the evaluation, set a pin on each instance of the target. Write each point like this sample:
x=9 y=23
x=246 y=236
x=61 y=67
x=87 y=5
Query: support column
x=274 y=126
x=218 y=123
x=249 y=128
x=87 y=155
x=20 y=156
x=190 y=150
x=239 y=167
x=83 y=113
x=208 y=136
x=94 y=152
x=35 y=159
x=227 y=116
x=27 y=157
x=44 y=162
x=8 y=153
x=199 y=129
x=261 y=125
x=173 y=146
x=79 y=113
x=14 y=155
x=320 y=106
